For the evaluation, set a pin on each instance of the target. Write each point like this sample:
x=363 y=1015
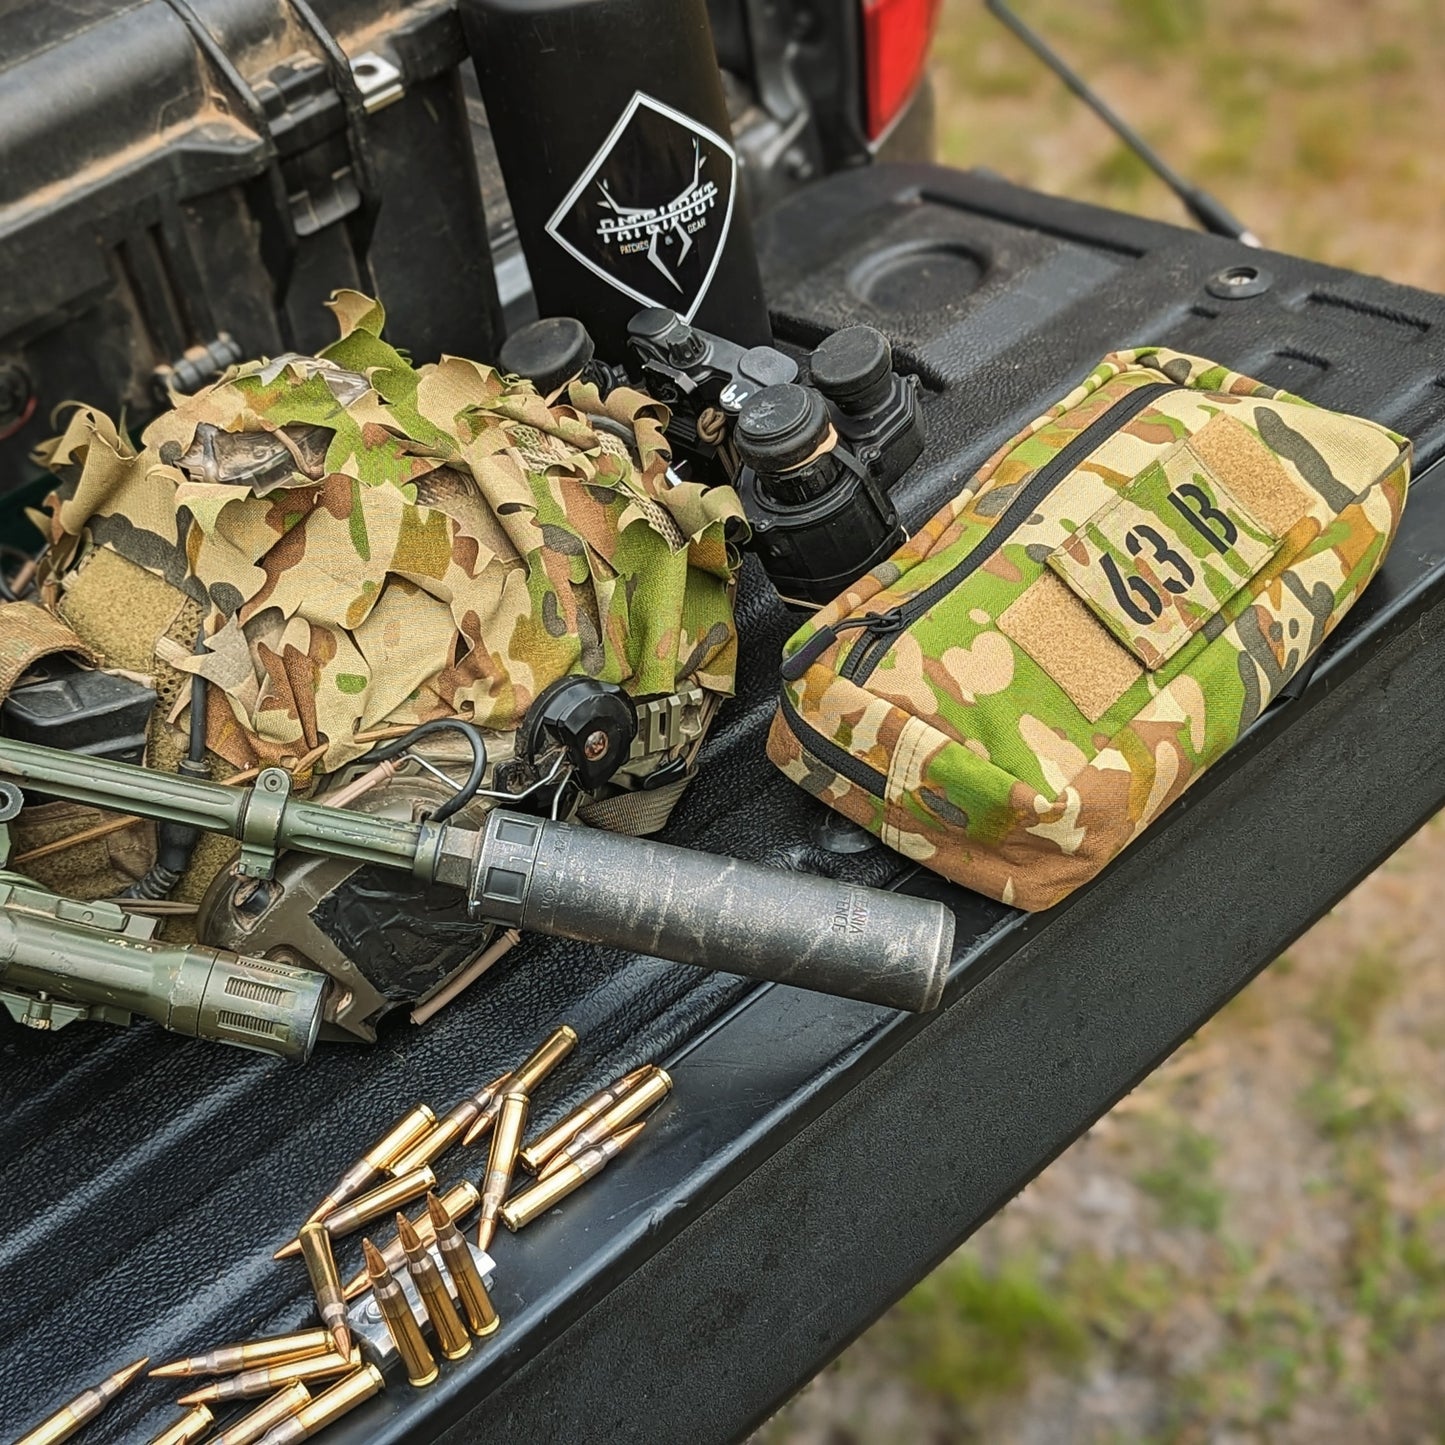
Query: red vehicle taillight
x=896 y=37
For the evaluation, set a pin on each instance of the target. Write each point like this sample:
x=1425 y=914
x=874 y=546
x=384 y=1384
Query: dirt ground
x=1251 y=1247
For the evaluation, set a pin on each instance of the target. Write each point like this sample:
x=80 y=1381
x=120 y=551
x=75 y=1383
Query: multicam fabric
x=26 y=635
x=377 y=544
x=1027 y=726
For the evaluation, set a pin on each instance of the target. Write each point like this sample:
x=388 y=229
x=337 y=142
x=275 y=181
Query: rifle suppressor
x=558 y=878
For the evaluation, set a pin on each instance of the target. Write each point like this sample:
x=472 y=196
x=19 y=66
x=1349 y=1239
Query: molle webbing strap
x=637 y=814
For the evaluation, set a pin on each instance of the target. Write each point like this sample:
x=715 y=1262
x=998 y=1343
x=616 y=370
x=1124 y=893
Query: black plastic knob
x=668 y=334
x=652 y=323
x=781 y=427
x=549 y=352
x=595 y=722
x=853 y=368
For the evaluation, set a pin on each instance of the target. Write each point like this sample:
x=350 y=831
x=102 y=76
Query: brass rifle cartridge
x=81 y=1410
x=401 y=1325
x=377 y=1160
x=484 y=1107
x=506 y=1141
x=374 y=1204
x=250 y=1428
x=251 y=1383
x=458 y=1121
x=632 y=1105
x=452 y=1337
x=188 y=1428
x=487 y=1117
x=557 y=1045
x=460 y=1200
x=250 y=1355
x=544 y=1146
x=554 y=1048
x=341 y=1398
x=525 y=1206
x=457 y=1257
x=326 y=1284
x=430 y=1147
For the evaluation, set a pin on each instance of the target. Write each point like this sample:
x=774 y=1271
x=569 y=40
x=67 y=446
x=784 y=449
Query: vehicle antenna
x=1211 y=213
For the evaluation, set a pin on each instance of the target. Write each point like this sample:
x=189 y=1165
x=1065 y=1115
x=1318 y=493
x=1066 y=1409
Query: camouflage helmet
x=374 y=545
x=366 y=546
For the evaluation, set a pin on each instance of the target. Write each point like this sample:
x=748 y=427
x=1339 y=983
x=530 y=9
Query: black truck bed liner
x=818 y=1155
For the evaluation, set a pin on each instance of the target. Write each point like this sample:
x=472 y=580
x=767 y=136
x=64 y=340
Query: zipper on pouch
x=884 y=627
x=792 y=668
x=827 y=752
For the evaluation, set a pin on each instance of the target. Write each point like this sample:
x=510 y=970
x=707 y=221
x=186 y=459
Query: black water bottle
x=612 y=132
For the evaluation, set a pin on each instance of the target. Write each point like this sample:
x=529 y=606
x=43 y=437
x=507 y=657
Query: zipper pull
x=792 y=668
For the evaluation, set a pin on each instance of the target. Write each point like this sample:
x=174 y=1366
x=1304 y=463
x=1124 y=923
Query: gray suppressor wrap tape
x=699 y=908
x=575 y=882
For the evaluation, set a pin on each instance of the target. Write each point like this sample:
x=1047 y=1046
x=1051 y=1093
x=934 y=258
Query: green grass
x=982 y=1334
x=1151 y=25
x=1181 y=1182
x=1393 y=1261
x=1327 y=143
x=1352 y=1092
x=1392 y=58
x=1121 y=171
x=1117 y=1297
x=968 y=1332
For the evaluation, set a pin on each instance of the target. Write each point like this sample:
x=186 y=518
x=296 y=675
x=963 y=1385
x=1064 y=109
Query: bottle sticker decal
x=650 y=214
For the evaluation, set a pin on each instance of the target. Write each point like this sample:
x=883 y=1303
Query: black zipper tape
x=827 y=752
x=884 y=627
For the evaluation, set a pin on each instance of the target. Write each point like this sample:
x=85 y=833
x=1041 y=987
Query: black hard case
x=172 y=171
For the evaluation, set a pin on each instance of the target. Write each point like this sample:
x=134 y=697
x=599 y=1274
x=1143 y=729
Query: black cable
x=176 y=842
x=197 y=750
x=385 y=752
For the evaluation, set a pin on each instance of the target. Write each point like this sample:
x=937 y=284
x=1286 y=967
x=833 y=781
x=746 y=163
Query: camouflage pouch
x=1016 y=694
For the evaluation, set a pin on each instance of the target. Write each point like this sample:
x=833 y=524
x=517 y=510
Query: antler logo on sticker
x=650 y=214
